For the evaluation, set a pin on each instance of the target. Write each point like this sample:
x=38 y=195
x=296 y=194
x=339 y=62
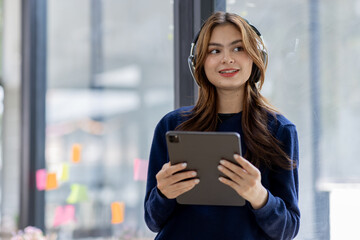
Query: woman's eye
x=214 y=51
x=239 y=49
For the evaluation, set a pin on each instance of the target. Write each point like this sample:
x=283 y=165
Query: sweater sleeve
x=158 y=208
x=280 y=217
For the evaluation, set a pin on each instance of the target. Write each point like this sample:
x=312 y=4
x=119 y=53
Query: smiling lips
x=230 y=72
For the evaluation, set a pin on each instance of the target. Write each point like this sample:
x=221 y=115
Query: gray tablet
x=202 y=151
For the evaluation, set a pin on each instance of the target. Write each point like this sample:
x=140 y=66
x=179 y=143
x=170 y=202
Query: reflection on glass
x=110 y=79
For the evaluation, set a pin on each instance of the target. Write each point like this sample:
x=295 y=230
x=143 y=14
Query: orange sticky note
x=76 y=153
x=117 y=212
x=140 y=169
x=51 y=181
x=41 y=179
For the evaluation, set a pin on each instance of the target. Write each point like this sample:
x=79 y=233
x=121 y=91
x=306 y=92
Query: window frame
x=33 y=91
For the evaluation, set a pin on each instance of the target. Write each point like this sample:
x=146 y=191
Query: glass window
x=313 y=79
x=110 y=80
x=10 y=116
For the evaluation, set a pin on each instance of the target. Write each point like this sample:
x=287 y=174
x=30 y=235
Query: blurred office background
x=84 y=82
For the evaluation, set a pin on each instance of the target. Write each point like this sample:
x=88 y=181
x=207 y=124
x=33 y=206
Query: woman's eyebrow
x=220 y=45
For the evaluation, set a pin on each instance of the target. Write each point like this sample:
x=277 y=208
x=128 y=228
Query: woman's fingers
x=171 y=173
x=168 y=169
x=181 y=176
x=178 y=177
x=171 y=182
x=179 y=188
x=174 y=190
x=230 y=183
x=244 y=179
x=230 y=172
x=246 y=165
x=246 y=170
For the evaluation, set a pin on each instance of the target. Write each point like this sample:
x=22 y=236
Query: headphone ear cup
x=255 y=74
x=192 y=57
x=191 y=64
x=256 y=71
x=264 y=57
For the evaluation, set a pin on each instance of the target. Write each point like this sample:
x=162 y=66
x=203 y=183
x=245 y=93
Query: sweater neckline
x=224 y=116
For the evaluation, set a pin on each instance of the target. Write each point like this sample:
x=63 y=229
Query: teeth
x=230 y=71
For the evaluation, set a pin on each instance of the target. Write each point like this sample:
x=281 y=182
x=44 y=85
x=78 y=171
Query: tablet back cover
x=203 y=151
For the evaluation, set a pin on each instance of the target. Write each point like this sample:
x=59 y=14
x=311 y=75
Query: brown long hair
x=262 y=147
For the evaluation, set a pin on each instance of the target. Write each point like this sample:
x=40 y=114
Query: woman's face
x=227 y=65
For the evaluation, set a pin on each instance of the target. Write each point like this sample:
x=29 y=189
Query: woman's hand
x=171 y=183
x=245 y=180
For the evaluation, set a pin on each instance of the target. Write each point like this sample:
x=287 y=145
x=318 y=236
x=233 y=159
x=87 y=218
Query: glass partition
x=110 y=80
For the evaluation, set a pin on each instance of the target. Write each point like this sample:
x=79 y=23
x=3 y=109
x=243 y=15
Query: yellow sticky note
x=51 y=181
x=117 y=212
x=65 y=172
x=76 y=153
x=170 y=36
x=78 y=194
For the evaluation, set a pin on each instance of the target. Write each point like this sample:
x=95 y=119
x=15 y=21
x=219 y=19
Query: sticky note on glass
x=41 y=179
x=140 y=169
x=117 y=212
x=58 y=220
x=76 y=153
x=69 y=213
x=64 y=214
x=51 y=181
x=65 y=172
x=78 y=194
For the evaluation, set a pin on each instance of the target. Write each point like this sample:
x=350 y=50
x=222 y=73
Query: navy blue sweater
x=278 y=219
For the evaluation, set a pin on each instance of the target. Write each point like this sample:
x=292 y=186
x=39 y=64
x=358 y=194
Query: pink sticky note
x=59 y=216
x=64 y=214
x=69 y=213
x=140 y=169
x=41 y=179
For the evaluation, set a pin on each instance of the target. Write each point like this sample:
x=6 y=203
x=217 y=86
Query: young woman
x=230 y=71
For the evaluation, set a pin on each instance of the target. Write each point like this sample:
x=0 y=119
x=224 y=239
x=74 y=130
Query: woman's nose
x=227 y=59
